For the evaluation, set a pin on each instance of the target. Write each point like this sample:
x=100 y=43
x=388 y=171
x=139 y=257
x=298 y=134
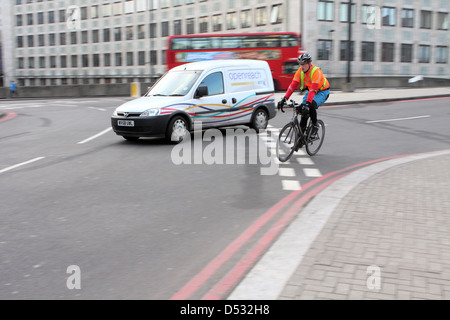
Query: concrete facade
x=73 y=42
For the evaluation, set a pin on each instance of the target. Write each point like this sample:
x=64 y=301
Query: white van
x=216 y=93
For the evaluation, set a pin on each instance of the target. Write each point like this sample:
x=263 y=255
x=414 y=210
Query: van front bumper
x=140 y=126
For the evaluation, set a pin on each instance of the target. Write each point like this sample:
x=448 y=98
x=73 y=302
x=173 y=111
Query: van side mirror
x=201 y=92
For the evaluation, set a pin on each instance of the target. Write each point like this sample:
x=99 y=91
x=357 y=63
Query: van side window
x=214 y=82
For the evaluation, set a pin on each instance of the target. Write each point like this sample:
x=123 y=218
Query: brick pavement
x=398 y=221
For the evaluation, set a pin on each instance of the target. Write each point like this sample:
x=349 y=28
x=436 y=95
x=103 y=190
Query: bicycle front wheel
x=314 y=144
x=286 y=142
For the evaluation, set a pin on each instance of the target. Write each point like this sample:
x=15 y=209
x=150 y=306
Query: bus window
x=231 y=42
x=216 y=43
x=290 y=67
x=200 y=43
x=180 y=44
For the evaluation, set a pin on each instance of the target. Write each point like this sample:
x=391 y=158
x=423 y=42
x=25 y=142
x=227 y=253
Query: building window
x=344 y=54
x=85 y=60
x=95 y=36
x=152 y=30
x=260 y=16
x=107 y=59
x=246 y=19
x=324 y=49
x=441 y=54
x=408 y=18
x=62 y=38
x=231 y=20
x=406 y=52
x=177 y=27
x=106 y=35
x=276 y=15
x=40 y=18
x=52 y=62
x=51 y=39
x=41 y=62
x=424 y=53
x=325 y=10
x=73 y=38
x=141 y=58
x=84 y=37
x=117 y=34
x=20 y=63
x=203 y=24
x=94 y=12
x=387 y=52
x=31 y=64
x=130 y=61
x=118 y=59
x=74 y=61
x=141 y=31
x=217 y=22
x=425 y=19
x=29 y=19
x=164 y=29
x=388 y=16
x=367 y=51
x=344 y=12
x=129 y=33
x=153 y=57
x=19 y=20
x=51 y=17
x=96 y=60
x=30 y=41
x=19 y=42
x=442 y=21
x=63 y=61
x=190 y=26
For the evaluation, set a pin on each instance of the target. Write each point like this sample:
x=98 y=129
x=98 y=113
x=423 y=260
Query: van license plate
x=125 y=123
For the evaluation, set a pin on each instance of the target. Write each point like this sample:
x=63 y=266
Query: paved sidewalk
x=382 y=232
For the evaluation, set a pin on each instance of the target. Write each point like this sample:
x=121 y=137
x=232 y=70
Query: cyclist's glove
x=305 y=110
x=281 y=104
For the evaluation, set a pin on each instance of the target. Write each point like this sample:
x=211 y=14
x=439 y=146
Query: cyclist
x=308 y=77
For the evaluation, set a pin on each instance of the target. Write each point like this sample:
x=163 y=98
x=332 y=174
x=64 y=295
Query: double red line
x=296 y=200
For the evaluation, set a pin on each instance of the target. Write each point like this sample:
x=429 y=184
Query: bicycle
x=292 y=138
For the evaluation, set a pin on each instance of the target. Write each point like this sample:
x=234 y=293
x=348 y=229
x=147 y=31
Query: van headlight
x=115 y=113
x=150 y=113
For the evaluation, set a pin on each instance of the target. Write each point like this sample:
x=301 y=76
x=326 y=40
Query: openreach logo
x=228 y=147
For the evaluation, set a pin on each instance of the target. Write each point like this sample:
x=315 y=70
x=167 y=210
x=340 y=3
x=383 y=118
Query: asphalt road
x=140 y=226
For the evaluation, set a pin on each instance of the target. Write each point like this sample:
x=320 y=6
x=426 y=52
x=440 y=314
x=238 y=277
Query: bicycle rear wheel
x=286 y=142
x=313 y=145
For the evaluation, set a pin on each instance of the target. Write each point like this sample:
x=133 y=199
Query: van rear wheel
x=260 y=120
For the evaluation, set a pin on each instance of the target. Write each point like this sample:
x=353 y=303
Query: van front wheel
x=260 y=120
x=177 y=130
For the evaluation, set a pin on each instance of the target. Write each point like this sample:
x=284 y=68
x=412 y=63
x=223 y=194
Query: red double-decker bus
x=279 y=49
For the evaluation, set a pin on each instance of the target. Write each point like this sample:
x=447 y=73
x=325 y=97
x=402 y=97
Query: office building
x=65 y=42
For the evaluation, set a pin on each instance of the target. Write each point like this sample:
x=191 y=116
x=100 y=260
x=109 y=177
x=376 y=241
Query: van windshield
x=175 y=83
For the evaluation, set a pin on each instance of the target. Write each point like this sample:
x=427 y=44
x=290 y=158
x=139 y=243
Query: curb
x=267 y=279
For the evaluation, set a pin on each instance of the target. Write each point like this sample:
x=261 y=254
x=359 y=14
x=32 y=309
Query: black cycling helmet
x=306 y=57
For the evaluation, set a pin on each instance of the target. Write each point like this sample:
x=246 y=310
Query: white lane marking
x=95 y=136
x=305 y=161
x=291 y=185
x=286 y=172
x=96 y=108
x=21 y=164
x=312 y=172
x=398 y=119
